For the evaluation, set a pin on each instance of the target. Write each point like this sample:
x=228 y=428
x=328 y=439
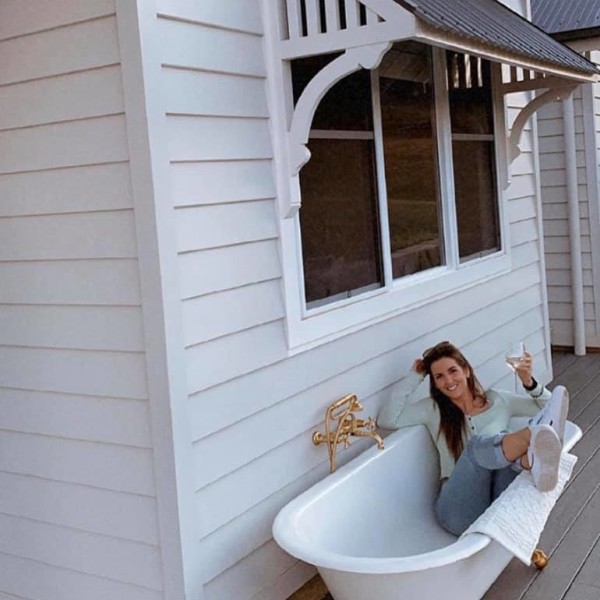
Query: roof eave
x=437 y=37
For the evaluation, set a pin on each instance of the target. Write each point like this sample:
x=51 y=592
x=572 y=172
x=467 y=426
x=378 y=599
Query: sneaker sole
x=547 y=451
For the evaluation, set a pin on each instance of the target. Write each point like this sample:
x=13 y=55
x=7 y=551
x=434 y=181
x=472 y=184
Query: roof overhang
x=485 y=28
x=362 y=32
x=450 y=41
x=491 y=29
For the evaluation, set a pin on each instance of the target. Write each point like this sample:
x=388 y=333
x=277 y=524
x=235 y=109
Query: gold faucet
x=347 y=425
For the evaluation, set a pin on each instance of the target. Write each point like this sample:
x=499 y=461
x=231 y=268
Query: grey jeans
x=480 y=475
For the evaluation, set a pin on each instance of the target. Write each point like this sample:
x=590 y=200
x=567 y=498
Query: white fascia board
x=436 y=37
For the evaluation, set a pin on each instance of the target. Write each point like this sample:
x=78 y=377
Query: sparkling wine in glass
x=514 y=355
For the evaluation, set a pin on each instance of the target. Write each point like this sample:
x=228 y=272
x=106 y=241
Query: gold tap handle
x=366 y=423
x=347 y=404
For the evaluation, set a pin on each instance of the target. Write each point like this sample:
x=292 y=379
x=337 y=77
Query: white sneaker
x=554 y=412
x=544 y=457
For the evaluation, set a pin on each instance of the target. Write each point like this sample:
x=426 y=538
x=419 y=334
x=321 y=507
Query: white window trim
x=310 y=328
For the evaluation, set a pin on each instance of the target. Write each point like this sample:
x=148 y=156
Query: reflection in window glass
x=476 y=209
x=339 y=221
x=469 y=80
x=407 y=109
x=340 y=218
x=471 y=112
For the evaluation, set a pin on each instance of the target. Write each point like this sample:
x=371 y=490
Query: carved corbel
x=353 y=59
x=551 y=95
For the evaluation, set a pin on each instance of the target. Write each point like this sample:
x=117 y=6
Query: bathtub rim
x=286 y=531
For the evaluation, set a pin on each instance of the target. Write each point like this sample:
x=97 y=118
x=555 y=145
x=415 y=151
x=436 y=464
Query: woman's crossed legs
x=480 y=475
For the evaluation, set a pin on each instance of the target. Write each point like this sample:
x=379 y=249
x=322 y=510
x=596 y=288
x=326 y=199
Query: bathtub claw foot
x=539 y=559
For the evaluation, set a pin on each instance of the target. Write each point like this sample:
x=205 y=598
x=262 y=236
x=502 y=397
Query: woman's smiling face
x=450 y=378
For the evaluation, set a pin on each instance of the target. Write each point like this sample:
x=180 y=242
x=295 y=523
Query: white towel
x=517 y=517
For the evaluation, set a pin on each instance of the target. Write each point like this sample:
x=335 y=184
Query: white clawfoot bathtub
x=370 y=528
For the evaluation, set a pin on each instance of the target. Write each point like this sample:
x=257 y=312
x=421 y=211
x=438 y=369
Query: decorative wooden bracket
x=361 y=57
x=550 y=95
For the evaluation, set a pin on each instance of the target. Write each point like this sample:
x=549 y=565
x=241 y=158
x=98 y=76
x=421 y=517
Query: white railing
x=320 y=26
x=306 y=18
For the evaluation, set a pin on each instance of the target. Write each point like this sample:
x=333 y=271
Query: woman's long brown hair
x=452 y=419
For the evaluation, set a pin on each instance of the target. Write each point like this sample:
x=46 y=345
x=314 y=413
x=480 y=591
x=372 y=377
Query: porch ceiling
x=496 y=29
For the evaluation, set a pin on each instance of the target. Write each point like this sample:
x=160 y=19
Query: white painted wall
x=556 y=221
x=78 y=508
x=80 y=440
x=253 y=408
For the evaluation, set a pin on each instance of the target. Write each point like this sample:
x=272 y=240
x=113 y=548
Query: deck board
x=561 y=362
x=589 y=576
x=582 y=592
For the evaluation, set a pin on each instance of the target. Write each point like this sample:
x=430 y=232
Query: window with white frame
x=402 y=175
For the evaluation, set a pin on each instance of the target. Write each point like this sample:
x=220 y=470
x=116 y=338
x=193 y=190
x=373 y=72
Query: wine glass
x=515 y=353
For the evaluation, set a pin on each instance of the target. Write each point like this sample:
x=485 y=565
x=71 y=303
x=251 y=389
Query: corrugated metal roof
x=493 y=24
x=554 y=16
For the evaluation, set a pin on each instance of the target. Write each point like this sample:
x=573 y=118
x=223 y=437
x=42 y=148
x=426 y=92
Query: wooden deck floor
x=572 y=535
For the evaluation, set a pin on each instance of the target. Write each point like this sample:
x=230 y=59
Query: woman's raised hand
x=419 y=367
x=525 y=370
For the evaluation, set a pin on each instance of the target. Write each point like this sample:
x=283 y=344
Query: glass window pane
x=339 y=220
x=470 y=94
x=407 y=109
x=476 y=205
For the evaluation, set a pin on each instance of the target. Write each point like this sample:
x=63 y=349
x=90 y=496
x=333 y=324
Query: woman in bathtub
x=479 y=458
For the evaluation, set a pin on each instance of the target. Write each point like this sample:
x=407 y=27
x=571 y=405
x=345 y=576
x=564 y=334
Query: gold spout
x=370 y=434
x=347 y=425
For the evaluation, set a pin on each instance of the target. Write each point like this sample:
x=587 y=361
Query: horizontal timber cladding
x=108 y=282
x=81 y=507
x=236 y=15
x=34 y=579
x=214 y=182
x=252 y=407
x=24 y=18
x=200 y=227
x=76 y=416
x=219 y=268
x=240 y=96
x=73 y=189
x=66 y=144
x=195 y=46
x=94 y=40
x=79 y=95
x=87 y=235
x=78 y=512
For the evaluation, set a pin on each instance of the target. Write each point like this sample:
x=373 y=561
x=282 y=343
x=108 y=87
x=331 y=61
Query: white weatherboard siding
x=556 y=223
x=78 y=510
x=253 y=408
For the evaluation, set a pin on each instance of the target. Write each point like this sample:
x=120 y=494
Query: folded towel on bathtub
x=517 y=517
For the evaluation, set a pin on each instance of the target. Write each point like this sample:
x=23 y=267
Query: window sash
x=449 y=226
